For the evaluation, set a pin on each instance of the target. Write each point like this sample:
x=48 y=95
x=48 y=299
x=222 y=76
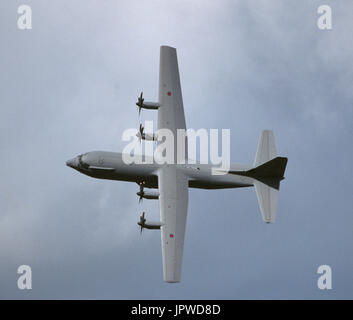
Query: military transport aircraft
x=173 y=181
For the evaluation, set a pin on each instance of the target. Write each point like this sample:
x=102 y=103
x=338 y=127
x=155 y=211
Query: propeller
x=141 y=130
x=139 y=102
x=140 y=193
x=142 y=221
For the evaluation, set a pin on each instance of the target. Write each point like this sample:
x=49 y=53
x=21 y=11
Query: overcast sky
x=70 y=85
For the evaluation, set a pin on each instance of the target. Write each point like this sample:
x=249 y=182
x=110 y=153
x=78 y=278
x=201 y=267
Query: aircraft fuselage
x=110 y=165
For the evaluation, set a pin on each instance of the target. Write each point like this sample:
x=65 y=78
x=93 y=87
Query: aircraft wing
x=173 y=203
x=171 y=109
x=172 y=183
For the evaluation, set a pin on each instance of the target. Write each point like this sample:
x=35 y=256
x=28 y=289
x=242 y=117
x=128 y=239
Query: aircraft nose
x=71 y=163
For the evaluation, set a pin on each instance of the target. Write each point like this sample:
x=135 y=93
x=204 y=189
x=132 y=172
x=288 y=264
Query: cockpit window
x=82 y=163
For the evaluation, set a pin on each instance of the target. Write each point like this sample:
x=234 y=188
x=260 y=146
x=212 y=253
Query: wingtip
x=167 y=47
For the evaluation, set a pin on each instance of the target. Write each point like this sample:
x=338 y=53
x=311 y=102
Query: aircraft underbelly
x=200 y=184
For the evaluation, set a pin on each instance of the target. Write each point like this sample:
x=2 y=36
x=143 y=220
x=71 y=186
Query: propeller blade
x=141 y=192
x=139 y=102
x=141 y=129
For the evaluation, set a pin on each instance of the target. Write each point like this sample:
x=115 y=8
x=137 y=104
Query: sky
x=69 y=85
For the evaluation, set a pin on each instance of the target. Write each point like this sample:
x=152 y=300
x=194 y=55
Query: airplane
x=174 y=181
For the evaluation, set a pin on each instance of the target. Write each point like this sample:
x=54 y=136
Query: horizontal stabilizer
x=268 y=199
x=267 y=173
x=266 y=149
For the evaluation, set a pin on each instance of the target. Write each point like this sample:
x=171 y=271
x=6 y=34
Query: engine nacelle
x=142 y=223
x=149 y=194
x=146 y=136
x=149 y=105
x=151 y=226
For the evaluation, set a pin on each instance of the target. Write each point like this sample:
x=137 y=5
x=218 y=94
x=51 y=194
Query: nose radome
x=70 y=163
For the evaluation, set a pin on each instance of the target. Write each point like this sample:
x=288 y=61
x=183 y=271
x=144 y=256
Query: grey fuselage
x=111 y=166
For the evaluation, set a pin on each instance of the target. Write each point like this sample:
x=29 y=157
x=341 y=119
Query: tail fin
x=270 y=173
x=267 y=174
